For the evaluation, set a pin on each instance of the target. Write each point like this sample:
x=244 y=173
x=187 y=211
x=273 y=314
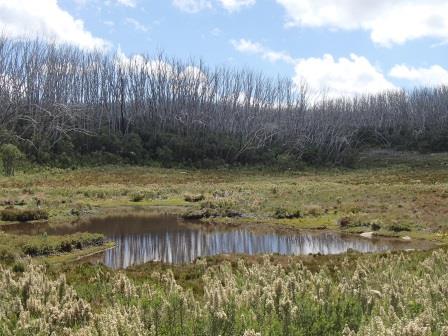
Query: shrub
x=10 y=155
x=282 y=213
x=194 y=198
x=193 y=214
x=314 y=210
x=14 y=215
x=137 y=197
x=398 y=227
x=6 y=255
x=345 y=222
x=18 y=267
x=356 y=221
x=37 y=246
x=220 y=208
x=375 y=225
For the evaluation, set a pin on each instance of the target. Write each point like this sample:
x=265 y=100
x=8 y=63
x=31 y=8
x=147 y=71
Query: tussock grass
x=14 y=246
x=22 y=215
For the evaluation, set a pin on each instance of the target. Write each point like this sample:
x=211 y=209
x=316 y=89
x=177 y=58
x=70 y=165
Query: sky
x=340 y=47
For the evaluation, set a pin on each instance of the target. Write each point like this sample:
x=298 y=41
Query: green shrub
x=215 y=208
x=194 y=198
x=398 y=227
x=14 y=215
x=6 y=255
x=18 y=267
x=355 y=221
x=345 y=222
x=10 y=155
x=47 y=245
x=137 y=197
x=193 y=214
x=375 y=225
x=314 y=210
x=282 y=213
x=220 y=208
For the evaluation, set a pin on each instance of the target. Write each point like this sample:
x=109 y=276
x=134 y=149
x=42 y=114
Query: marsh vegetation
x=348 y=294
x=92 y=144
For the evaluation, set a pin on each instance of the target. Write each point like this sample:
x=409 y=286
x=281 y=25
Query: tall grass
x=396 y=294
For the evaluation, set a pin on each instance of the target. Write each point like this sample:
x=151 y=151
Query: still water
x=164 y=238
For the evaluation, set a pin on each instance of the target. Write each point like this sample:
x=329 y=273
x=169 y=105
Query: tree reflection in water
x=140 y=239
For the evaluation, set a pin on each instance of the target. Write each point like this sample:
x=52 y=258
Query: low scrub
x=25 y=215
x=15 y=246
x=282 y=213
x=348 y=222
x=137 y=197
x=215 y=208
x=399 y=227
x=194 y=198
x=52 y=245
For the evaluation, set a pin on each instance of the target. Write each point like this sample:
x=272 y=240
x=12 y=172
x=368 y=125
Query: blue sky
x=343 y=47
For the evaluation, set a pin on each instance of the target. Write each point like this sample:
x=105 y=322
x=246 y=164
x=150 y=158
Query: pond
x=141 y=239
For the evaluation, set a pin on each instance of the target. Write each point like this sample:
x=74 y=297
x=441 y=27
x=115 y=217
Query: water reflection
x=164 y=238
x=185 y=245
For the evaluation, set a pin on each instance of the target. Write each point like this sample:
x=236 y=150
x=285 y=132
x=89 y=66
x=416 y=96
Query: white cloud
x=247 y=46
x=236 y=5
x=389 y=22
x=154 y=67
x=137 y=25
x=334 y=77
x=192 y=6
x=45 y=19
x=432 y=76
x=195 y=6
x=128 y=3
x=341 y=77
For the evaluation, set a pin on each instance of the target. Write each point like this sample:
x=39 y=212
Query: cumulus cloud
x=45 y=19
x=350 y=76
x=236 y=5
x=192 y=6
x=334 y=77
x=389 y=22
x=432 y=76
x=158 y=67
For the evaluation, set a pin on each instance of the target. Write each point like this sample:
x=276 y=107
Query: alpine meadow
x=249 y=180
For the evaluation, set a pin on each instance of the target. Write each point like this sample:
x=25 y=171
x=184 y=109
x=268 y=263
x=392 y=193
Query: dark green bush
x=18 y=267
x=375 y=225
x=282 y=213
x=37 y=246
x=14 y=215
x=137 y=197
x=194 y=214
x=6 y=255
x=10 y=155
x=398 y=227
x=194 y=198
x=358 y=221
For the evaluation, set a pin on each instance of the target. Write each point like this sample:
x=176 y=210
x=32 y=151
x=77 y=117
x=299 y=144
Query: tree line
x=64 y=105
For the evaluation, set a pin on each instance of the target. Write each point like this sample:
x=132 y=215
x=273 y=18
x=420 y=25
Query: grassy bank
x=14 y=246
x=390 y=193
x=402 y=293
